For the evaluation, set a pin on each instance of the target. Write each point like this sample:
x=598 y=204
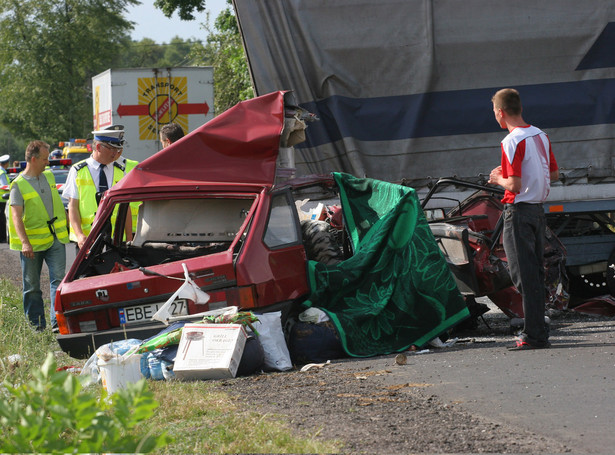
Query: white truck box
x=145 y=99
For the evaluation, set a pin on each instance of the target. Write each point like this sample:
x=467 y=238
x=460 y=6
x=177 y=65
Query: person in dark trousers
x=4 y=181
x=38 y=230
x=527 y=169
x=171 y=132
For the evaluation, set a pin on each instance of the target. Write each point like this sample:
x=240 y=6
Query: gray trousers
x=523 y=240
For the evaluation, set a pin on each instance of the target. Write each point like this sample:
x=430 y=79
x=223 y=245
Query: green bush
x=52 y=413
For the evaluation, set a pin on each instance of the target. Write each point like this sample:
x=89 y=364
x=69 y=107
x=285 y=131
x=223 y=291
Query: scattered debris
x=438 y=343
x=401 y=359
x=309 y=366
x=362 y=376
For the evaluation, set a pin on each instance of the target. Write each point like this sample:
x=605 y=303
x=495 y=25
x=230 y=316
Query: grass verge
x=198 y=417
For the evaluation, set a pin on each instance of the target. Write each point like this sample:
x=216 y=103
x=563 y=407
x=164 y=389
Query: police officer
x=4 y=181
x=4 y=163
x=128 y=166
x=37 y=228
x=90 y=178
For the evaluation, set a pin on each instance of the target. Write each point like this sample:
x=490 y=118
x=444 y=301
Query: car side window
x=282 y=224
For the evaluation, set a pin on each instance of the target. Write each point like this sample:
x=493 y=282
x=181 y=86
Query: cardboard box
x=209 y=351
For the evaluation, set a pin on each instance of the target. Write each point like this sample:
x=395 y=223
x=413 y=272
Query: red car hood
x=239 y=145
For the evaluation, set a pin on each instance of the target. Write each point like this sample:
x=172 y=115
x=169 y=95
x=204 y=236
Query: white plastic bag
x=272 y=339
x=188 y=290
x=91 y=369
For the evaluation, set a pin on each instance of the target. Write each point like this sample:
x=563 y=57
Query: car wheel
x=610 y=273
x=590 y=285
x=320 y=242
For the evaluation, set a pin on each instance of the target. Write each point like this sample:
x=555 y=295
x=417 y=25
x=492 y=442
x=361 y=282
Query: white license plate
x=140 y=313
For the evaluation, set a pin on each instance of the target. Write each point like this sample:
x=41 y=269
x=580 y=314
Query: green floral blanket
x=396 y=290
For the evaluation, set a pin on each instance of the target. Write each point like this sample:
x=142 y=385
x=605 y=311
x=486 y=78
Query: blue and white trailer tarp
x=403 y=87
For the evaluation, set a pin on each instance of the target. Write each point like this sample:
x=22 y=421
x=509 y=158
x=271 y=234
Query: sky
x=151 y=23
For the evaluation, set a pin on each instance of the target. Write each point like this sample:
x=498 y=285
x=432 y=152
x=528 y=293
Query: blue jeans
x=523 y=240
x=55 y=258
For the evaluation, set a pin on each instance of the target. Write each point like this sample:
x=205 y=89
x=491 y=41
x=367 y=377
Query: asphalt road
x=566 y=393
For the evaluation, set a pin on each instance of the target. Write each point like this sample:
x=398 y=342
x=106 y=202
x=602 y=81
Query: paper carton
x=209 y=351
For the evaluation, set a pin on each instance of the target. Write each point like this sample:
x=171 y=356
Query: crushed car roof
x=239 y=145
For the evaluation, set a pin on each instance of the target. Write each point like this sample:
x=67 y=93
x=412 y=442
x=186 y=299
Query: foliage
x=53 y=414
x=14 y=147
x=49 y=50
x=185 y=8
x=140 y=54
x=224 y=50
x=149 y=54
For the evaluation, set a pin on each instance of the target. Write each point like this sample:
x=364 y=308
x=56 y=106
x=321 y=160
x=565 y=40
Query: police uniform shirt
x=4 y=179
x=71 y=191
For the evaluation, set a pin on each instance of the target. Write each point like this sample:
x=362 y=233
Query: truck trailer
x=145 y=99
x=403 y=89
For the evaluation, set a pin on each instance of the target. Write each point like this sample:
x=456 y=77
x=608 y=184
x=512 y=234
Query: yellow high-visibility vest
x=35 y=217
x=87 y=195
x=134 y=206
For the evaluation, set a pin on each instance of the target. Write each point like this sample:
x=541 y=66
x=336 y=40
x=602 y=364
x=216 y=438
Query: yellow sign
x=163 y=99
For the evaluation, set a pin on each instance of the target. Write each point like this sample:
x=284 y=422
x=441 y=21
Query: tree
x=49 y=50
x=224 y=51
x=9 y=145
x=144 y=53
x=177 y=52
x=149 y=54
x=232 y=81
x=185 y=8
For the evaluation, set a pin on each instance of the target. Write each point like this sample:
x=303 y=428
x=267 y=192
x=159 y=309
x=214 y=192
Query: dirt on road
x=349 y=404
x=346 y=401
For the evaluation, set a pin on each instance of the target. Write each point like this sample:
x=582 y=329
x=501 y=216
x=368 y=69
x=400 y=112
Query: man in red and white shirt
x=527 y=169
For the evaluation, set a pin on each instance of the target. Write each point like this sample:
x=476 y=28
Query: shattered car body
x=207 y=202
x=469 y=236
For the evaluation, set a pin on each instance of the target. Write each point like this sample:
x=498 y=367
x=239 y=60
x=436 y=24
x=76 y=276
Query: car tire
x=610 y=273
x=320 y=242
x=588 y=286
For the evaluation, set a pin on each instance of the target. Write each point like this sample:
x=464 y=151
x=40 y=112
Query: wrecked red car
x=469 y=236
x=237 y=234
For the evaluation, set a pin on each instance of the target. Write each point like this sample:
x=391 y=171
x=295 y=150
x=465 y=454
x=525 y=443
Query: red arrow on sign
x=135 y=109
x=192 y=108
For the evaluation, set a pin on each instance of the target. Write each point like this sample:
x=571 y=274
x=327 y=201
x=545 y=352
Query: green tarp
x=396 y=290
